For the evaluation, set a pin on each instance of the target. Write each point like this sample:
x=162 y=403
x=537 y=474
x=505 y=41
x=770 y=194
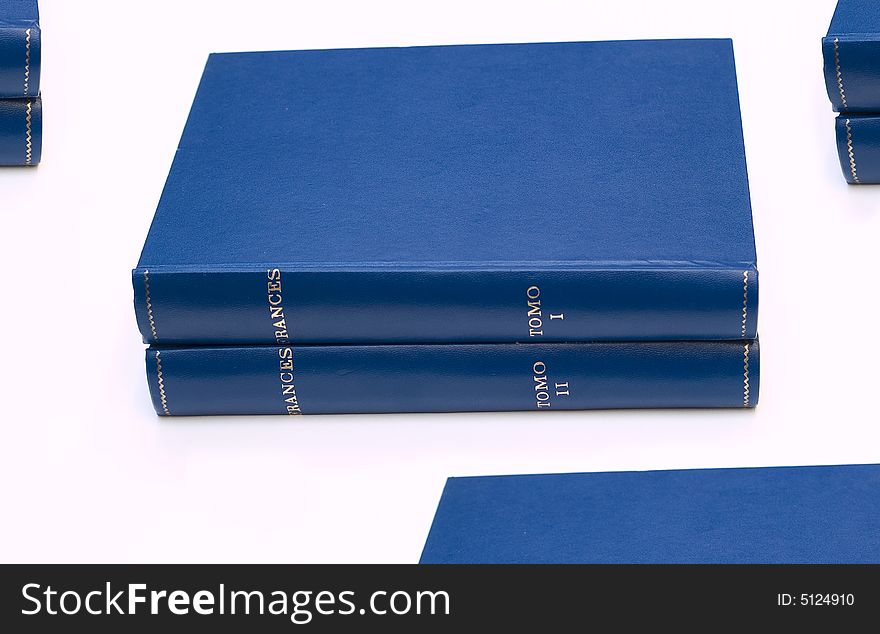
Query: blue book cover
x=784 y=515
x=451 y=378
x=457 y=194
x=19 y=48
x=851 y=52
x=21 y=131
x=858 y=147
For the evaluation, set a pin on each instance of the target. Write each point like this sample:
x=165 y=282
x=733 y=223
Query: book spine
x=858 y=148
x=451 y=378
x=19 y=61
x=21 y=131
x=852 y=74
x=274 y=305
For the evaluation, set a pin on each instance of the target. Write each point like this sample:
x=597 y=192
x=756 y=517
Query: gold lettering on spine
x=276 y=306
x=533 y=302
x=542 y=394
x=535 y=314
x=286 y=378
x=542 y=386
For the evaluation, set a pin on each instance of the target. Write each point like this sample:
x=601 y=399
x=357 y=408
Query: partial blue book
x=588 y=191
x=858 y=147
x=851 y=52
x=19 y=49
x=451 y=378
x=780 y=515
x=21 y=131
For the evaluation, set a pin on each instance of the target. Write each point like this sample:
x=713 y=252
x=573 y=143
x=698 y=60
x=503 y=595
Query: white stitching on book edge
x=27 y=61
x=745 y=301
x=149 y=305
x=745 y=375
x=852 y=156
x=839 y=75
x=28 y=147
x=161 y=385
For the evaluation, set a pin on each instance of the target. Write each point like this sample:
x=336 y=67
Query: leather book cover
x=456 y=194
x=19 y=48
x=851 y=52
x=296 y=380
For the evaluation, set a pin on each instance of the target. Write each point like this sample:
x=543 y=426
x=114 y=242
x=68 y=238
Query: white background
x=88 y=473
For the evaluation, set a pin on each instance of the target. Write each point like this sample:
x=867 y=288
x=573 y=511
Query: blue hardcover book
x=21 y=131
x=858 y=147
x=451 y=377
x=851 y=52
x=784 y=515
x=19 y=48
x=457 y=194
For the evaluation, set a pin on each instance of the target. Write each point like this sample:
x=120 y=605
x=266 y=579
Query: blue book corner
x=858 y=148
x=851 y=50
x=457 y=194
x=19 y=49
x=758 y=515
x=21 y=131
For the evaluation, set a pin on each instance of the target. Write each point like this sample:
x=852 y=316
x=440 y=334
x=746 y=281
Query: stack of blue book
x=455 y=228
x=851 y=52
x=21 y=109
